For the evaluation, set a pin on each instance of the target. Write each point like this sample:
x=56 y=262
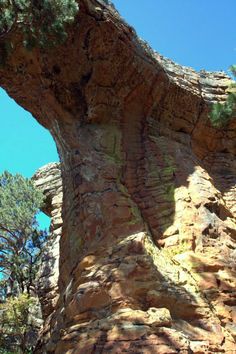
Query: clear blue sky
x=25 y=145
x=196 y=33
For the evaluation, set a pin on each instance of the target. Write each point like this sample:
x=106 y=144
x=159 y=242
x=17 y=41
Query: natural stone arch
x=136 y=149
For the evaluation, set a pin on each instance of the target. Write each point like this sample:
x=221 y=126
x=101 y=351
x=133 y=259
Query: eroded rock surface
x=48 y=180
x=147 y=255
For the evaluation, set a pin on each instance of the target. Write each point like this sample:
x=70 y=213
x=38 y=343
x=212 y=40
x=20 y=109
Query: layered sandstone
x=48 y=180
x=148 y=242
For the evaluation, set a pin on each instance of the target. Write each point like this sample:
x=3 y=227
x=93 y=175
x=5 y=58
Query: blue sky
x=25 y=145
x=196 y=33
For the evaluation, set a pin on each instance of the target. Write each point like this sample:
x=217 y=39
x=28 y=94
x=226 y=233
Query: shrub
x=222 y=113
x=17 y=324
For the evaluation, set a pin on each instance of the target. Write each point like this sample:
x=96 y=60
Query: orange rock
x=207 y=281
x=142 y=166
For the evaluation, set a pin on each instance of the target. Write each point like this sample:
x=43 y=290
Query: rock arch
x=142 y=168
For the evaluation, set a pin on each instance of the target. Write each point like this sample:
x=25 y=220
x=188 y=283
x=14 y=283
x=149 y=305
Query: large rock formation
x=148 y=244
x=48 y=180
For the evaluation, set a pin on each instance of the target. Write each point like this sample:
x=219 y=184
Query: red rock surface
x=147 y=254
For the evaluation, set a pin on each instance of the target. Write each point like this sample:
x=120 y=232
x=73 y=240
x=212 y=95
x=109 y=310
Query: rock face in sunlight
x=48 y=179
x=147 y=255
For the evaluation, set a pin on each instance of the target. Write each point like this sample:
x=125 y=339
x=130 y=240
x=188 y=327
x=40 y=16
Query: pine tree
x=41 y=22
x=222 y=113
x=21 y=240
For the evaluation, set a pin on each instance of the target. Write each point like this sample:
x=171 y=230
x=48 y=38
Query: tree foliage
x=41 y=22
x=17 y=324
x=222 y=113
x=21 y=241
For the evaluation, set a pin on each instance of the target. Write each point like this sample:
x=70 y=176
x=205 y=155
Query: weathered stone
x=148 y=192
x=48 y=180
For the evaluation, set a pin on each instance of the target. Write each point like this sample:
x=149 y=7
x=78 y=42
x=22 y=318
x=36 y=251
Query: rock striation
x=147 y=253
x=48 y=180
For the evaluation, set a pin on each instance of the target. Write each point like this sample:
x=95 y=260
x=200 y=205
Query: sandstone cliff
x=147 y=253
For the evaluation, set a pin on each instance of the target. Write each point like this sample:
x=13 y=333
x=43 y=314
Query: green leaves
x=42 y=22
x=16 y=320
x=222 y=113
x=232 y=68
x=21 y=241
x=21 y=245
x=19 y=203
x=8 y=16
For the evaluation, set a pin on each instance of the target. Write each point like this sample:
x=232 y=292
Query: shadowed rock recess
x=148 y=246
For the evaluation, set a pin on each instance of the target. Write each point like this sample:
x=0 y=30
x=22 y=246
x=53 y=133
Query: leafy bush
x=222 y=113
x=17 y=324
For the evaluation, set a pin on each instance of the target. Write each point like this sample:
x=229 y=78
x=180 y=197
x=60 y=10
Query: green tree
x=17 y=324
x=21 y=240
x=222 y=113
x=41 y=22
